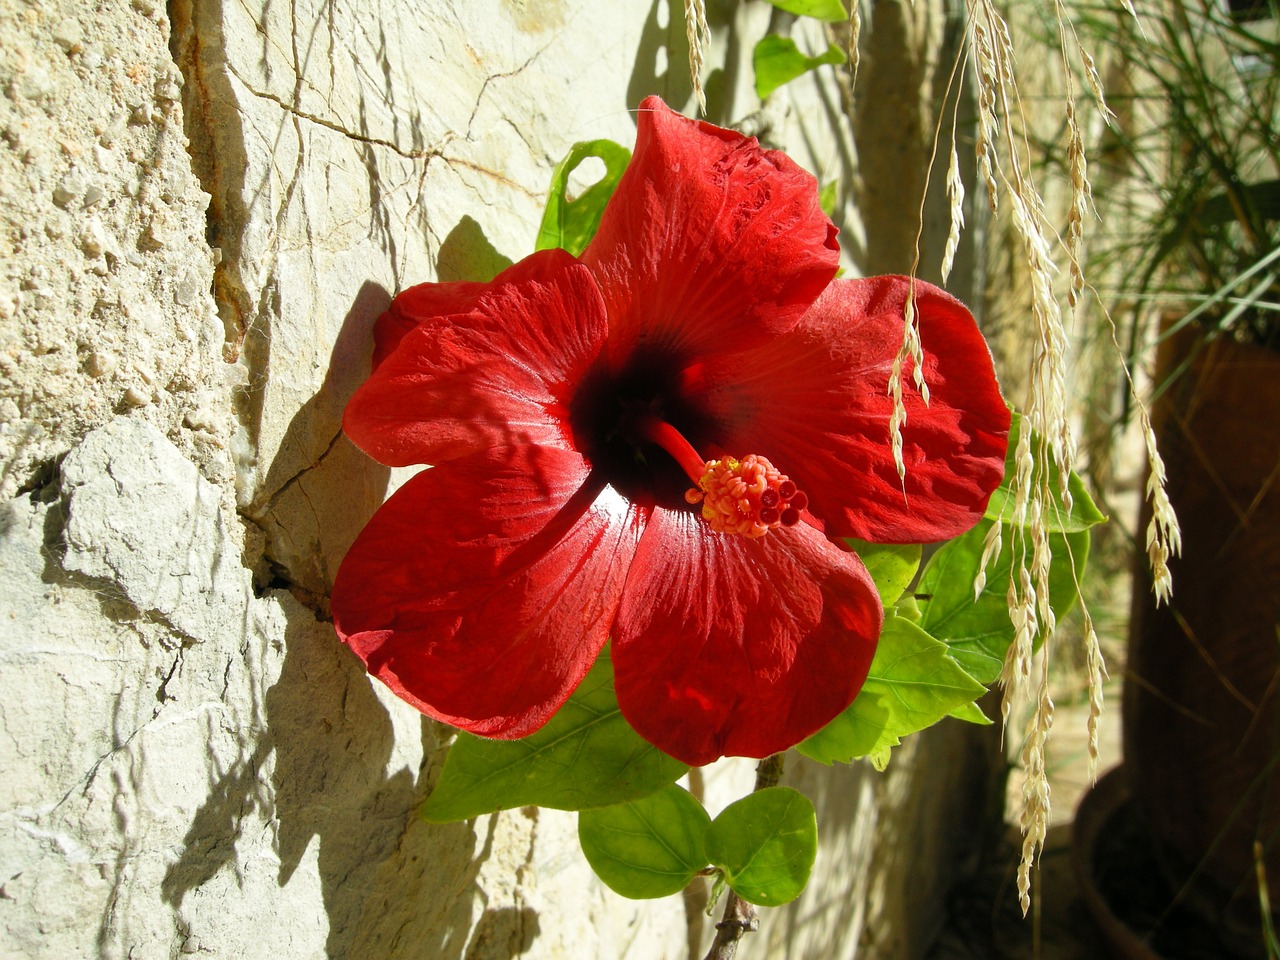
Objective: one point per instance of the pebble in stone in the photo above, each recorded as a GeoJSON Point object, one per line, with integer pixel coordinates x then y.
{"type": "Point", "coordinates": [35, 83]}
{"type": "Point", "coordinates": [202, 418]}
{"type": "Point", "coordinates": [93, 238]}
{"type": "Point", "coordinates": [69, 189]}
{"type": "Point", "coordinates": [69, 35]}
{"type": "Point", "coordinates": [100, 363]}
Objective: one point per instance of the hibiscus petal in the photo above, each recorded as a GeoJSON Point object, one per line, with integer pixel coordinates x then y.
{"type": "Point", "coordinates": [726, 646]}
{"type": "Point", "coordinates": [423, 303]}
{"type": "Point", "coordinates": [709, 242]}
{"type": "Point", "coordinates": [482, 591]}
{"type": "Point", "coordinates": [499, 375]}
{"type": "Point", "coordinates": [816, 403]}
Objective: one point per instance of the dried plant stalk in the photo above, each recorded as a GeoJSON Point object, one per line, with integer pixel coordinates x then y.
{"type": "Point", "coordinates": [855, 34]}
{"type": "Point", "coordinates": [1164, 537]}
{"type": "Point", "coordinates": [1097, 677]}
{"type": "Point", "coordinates": [699, 36]}
{"type": "Point", "coordinates": [1003, 160]}
{"type": "Point", "coordinates": [1035, 789]}
{"type": "Point", "coordinates": [913, 352]}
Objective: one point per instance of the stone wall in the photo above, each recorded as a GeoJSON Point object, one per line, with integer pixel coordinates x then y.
{"type": "Point", "coordinates": [203, 207]}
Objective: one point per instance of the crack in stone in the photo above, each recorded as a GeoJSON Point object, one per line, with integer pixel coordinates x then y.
{"type": "Point", "coordinates": [162, 695]}
{"type": "Point", "coordinates": [264, 509]}
{"type": "Point", "coordinates": [533, 150]}
{"type": "Point", "coordinates": [492, 175]}
{"type": "Point", "coordinates": [212, 169]}
{"type": "Point", "coordinates": [423, 154]}
{"type": "Point", "coordinates": [504, 75]}
{"type": "Point", "coordinates": [436, 152]}
{"type": "Point", "coordinates": [82, 785]}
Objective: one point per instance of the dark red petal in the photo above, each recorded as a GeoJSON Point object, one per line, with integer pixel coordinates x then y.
{"type": "Point", "coordinates": [709, 243]}
{"type": "Point", "coordinates": [737, 647]}
{"type": "Point", "coordinates": [482, 591]}
{"type": "Point", "coordinates": [816, 403]}
{"type": "Point", "coordinates": [421, 304]}
{"type": "Point", "coordinates": [501, 374]}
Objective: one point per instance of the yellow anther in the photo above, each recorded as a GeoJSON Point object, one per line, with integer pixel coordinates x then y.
{"type": "Point", "coordinates": [749, 497]}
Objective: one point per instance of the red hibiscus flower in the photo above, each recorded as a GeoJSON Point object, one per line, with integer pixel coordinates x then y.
{"type": "Point", "coordinates": [656, 444]}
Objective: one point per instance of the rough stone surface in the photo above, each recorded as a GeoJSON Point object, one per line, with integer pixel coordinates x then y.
{"type": "Point", "coordinates": [203, 207]}
{"type": "Point", "coordinates": [105, 278]}
{"type": "Point", "coordinates": [140, 517]}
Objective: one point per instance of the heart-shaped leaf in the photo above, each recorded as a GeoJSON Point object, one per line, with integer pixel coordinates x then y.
{"type": "Point", "coordinates": [892, 566]}
{"type": "Point", "coordinates": [571, 223]}
{"type": "Point", "coordinates": [766, 843]}
{"type": "Point", "coordinates": [586, 756]}
{"type": "Point", "coordinates": [979, 631]}
{"type": "Point", "coordinates": [1082, 515]}
{"type": "Point", "coordinates": [777, 60]}
{"type": "Point", "coordinates": [832, 11]}
{"type": "Point", "coordinates": [647, 848]}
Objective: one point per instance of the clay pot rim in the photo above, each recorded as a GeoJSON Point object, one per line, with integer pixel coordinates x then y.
{"type": "Point", "coordinates": [1096, 809]}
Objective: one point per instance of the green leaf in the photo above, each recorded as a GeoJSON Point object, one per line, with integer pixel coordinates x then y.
{"type": "Point", "coordinates": [880, 757]}
{"type": "Point", "coordinates": [765, 843]}
{"type": "Point", "coordinates": [907, 609]}
{"type": "Point", "coordinates": [971, 713]}
{"type": "Point", "coordinates": [586, 756]}
{"type": "Point", "coordinates": [979, 631]}
{"type": "Point", "coordinates": [777, 60]}
{"type": "Point", "coordinates": [570, 224]}
{"type": "Point", "coordinates": [829, 196]}
{"type": "Point", "coordinates": [832, 11]}
{"type": "Point", "coordinates": [913, 684]}
{"type": "Point", "coordinates": [650, 847]}
{"type": "Point", "coordinates": [892, 566]}
{"type": "Point", "coordinates": [1084, 513]}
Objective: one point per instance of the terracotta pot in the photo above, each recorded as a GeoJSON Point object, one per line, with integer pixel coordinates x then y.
{"type": "Point", "coordinates": [1201, 703]}
{"type": "Point", "coordinates": [1097, 812]}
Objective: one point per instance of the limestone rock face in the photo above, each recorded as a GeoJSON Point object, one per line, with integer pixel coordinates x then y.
{"type": "Point", "coordinates": [140, 517]}
{"type": "Point", "coordinates": [204, 205]}
{"type": "Point", "coordinates": [350, 154]}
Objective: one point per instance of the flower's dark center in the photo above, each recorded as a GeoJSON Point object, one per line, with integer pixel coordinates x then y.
{"type": "Point", "coordinates": [748, 497]}
{"type": "Point", "coordinates": [606, 410]}
{"type": "Point", "coordinates": [639, 427]}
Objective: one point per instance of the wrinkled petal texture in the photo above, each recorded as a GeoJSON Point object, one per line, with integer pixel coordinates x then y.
{"type": "Point", "coordinates": [816, 402]}
{"type": "Point", "coordinates": [424, 303]}
{"type": "Point", "coordinates": [709, 243]}
{"type": "Point", "coordinates": [732, 647]}
{"type": "Point", "coordinates": [500, 374]}
{"type": "Point", "coordinates": [483, 590]}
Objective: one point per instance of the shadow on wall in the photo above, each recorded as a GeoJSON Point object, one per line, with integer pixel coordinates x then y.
{"type": "Point", "coordinates": [392, 884]}
{"type": "Point", "coordinates": [254, 302]}
{"type": "Point", "coordinates": [313, 505]}
{"type": "Point", "coordinates": [661, 64]}
{"type": "Point", "coordinates": [467, 254]}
